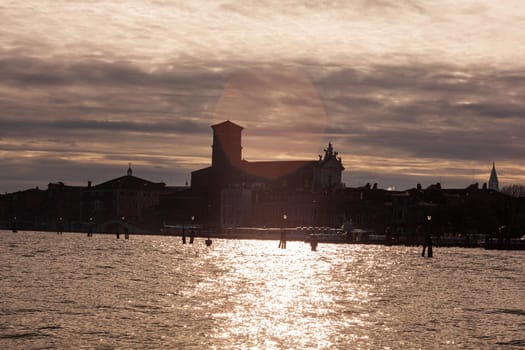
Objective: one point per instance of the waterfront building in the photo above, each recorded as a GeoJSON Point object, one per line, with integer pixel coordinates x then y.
{"type": "Point", "coordinates": [228, 167]}
{"type": "Point", "coordinates": [24, 209]}
{"type": "Point", "coordinates": [244, 192]}
{"type": "Point", "coordinates": [65, 206]}
{"type": "Point", "coordinates": [128, 198]}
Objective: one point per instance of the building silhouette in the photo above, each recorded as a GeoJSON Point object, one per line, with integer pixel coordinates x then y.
{"type": "Point", "coordinates": [493, 180]}
{"type": "Point", "coordinates": [233, 192]}
{"type": "Point", "coordinates": [235, 187]}
{"type": "Point", "coordinates": [228, 167]}
{"type": "Point", "coordinates": [127, 198]}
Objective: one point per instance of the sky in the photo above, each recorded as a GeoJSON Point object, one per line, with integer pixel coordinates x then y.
{"type": "Point", "coordinates": [408, 91]}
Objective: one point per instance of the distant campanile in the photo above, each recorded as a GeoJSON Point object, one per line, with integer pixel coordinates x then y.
{"type": "Point", "coordinates": [493, 180]}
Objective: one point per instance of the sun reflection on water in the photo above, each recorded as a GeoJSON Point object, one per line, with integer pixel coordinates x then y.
{"type": "Point", "coordinates": [286, 298]}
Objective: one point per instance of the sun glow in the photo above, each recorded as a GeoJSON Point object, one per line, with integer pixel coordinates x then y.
{"type": "Point", "coordinates": [272, 106]}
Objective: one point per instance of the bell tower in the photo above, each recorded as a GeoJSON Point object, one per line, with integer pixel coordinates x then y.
{"type": "Point", "coordinates": [493, 180]}
{"type": "Point", "coordinates": [226, 148]}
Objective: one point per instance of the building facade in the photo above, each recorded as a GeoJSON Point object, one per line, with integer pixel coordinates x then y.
{"type": "Point", "coordinates": [127, 198]}
{"type": "Point", "coordinates": [259, 193]}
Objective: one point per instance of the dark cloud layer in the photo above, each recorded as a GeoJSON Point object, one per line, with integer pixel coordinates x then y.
{"type": "Point", "coordinates": [32, 71]}
{"type": "Point", "coordinates": [55, 114]}
{"type": "Point", "coordinates": [428, 111]}
{"type": "Point", "coordinates": [40, 89]}
{"type": "Point", "coordinates": [28, 127]}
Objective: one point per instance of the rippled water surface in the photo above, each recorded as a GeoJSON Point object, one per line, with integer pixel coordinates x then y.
{"type": "Point", "coordinates": [71, 291]}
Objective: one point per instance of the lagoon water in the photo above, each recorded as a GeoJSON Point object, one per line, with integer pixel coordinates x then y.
{"type": "Point", "coordinates": [71, 291]}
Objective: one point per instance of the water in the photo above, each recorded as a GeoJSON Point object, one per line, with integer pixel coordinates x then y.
{"type": "Point", "coordinates": [72, 291]}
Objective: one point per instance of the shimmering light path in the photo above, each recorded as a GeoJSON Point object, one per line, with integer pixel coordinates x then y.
{"type": "Point", "coordinates": [152, 292]}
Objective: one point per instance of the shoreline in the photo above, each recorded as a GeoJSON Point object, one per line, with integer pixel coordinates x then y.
{"type": "Point", "coordinates": [513, 244]}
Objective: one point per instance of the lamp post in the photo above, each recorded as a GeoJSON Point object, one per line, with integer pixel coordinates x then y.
{"type": "Point", "coordinates": [427, 243]}
{"type": "Point", "coordinates": [124, 224]}
{"type": "Point", "coordinates": [282, 241]}
{"type": "Point", "coordinates": [59, 226]}
{"type": "Point", "coordinates": [192, 232]}
{"type": "Point", "coordinates": [90, 227]}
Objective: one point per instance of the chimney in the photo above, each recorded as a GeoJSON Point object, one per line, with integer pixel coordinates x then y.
{"type": "Point", "coordinates": [89, 184]}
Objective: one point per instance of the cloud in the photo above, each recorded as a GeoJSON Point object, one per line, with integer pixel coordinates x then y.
{"type": "Point", "coordinates": [434, 113]}
{"type": "Point", "coordinates": [25, 71]}
{"type": "Point", "coordinates": [96, 92]}
{"type": "Point", "coordinates": [90, 115]}
{"type": "Point", "coordinates": [418, 82]}
{"type": "Point", "coordinates": [362, 32]}
{"type": "Point", "coordinates": [25, 127]}
{"type": "Point", "coordinates": [427, 110]}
